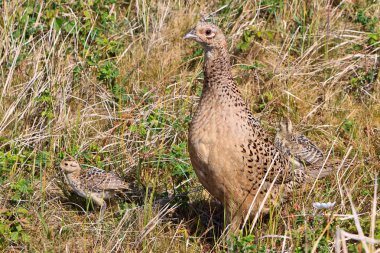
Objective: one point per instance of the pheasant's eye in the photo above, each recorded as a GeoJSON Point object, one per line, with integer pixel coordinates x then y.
{"type": "Point", "coordinates": [208, 32]}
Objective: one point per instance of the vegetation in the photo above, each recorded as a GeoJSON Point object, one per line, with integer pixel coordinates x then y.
{"type": "Point", "coordinates": [113, 84]}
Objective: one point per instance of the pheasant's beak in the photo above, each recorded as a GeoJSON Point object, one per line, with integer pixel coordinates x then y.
{"type": "Point", "coordinates": [191, 35]}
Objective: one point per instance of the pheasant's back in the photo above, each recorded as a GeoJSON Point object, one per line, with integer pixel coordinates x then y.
{"type": "Point", "coordinates": [97, 180]}
{"type": "Point", "coordinates": [306, 150]}
{"type": "Point", "coordinates": [297, 146]}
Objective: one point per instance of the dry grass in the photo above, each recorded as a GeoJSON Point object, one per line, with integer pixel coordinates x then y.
{"type": "Point", "coordinates": [113, 84]}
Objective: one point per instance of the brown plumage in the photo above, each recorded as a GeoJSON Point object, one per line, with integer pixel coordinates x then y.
{"type": "Point", "coordinates": [93, 183]}
{"type": "Point", "coordinates": [229, 150]}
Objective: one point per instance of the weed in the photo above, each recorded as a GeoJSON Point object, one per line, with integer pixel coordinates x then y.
{"type": "Point", "coordinates": [369, 23]}
{"type": "Point", "coordinates": [21, 188]}
{"type": "Point", "coordinates": [108, 72]}
{"type": "Point", "coordinates": [12, 225]}
{"type": "Point", "coordinates": [363, 84]}
{"type": "Point", "coordinates": [250, 35]}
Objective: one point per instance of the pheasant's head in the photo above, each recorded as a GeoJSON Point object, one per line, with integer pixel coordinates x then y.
{"type": "Point", "coordinates": [69, 166]}
{"type": "Point", "coordinates": [286, 127]}
{"type": "Point", "coordinates": [208, 35]}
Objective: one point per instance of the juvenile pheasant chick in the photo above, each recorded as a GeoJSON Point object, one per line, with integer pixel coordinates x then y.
{"type": "Point", "coordinates": [297, 145]}
{"type": "Point", "coordinates": [94, 183]}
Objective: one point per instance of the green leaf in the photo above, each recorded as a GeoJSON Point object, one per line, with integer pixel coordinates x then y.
{"type": "Point", "coordinates": [87, 14]}
{"type": "Point", "coordinates": [347, 125]}
{"type": "Point", "coordinates": [25, 237]}
{"type": "Point", "coordinates": [22, 210]}
{"type": "Point", "coordinates": [14, 236]}
{"type": "Point", "coordinates": [58, 22]}
{"type": "Point", "coordinates": [3, 229]}
{"type": "Point", "coordinates": [69, 26]}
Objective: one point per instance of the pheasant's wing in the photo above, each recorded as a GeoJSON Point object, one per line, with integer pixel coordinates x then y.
{"type": "Point", "coordinates": [252, 121]}
{"type": "Point", "coordinates": [304, 150]}
{"type": "Point", "coordinates": [99, 180]}
{"type": "Point", "coordinates": [259, 154]}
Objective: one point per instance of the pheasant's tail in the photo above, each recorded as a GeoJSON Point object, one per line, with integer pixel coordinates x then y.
{"type": "Point", "coordinates": [321, 170]}
{"type": "Point", "coordinates": [315, 173]}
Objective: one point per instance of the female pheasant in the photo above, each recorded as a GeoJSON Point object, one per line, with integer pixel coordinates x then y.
{"type": "Point", "coordinates": [232, 155]}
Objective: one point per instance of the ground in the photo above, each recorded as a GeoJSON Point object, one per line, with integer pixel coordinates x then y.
{"type": "Point", "coordinates": [113, 84]}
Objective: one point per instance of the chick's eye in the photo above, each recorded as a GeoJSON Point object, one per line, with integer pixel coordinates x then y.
{"type": "Point", "coordinates": [208, 32]}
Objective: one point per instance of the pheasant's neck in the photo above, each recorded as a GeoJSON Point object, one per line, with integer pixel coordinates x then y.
{"type": "Point", "coordinates": [217, 68]}
{"type": "Point", "coordinates": [73, 175]}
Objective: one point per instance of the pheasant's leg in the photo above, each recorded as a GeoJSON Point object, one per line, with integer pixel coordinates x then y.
{"type": "Point", "coordinates": [233, 218]}
{"type": "Point", "coordinates": [235, 224]}
{"type": "Point", "coordinates": [100, 202]}
{"type": "Point", "coordinates": [103, 209]}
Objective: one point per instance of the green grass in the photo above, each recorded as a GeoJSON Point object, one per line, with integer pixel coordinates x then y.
{"type": "Point", "coordinates": [113, 84]}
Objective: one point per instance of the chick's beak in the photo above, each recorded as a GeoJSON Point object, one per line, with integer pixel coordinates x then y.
{"type": "Point", "coordinates": [190, 35]}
